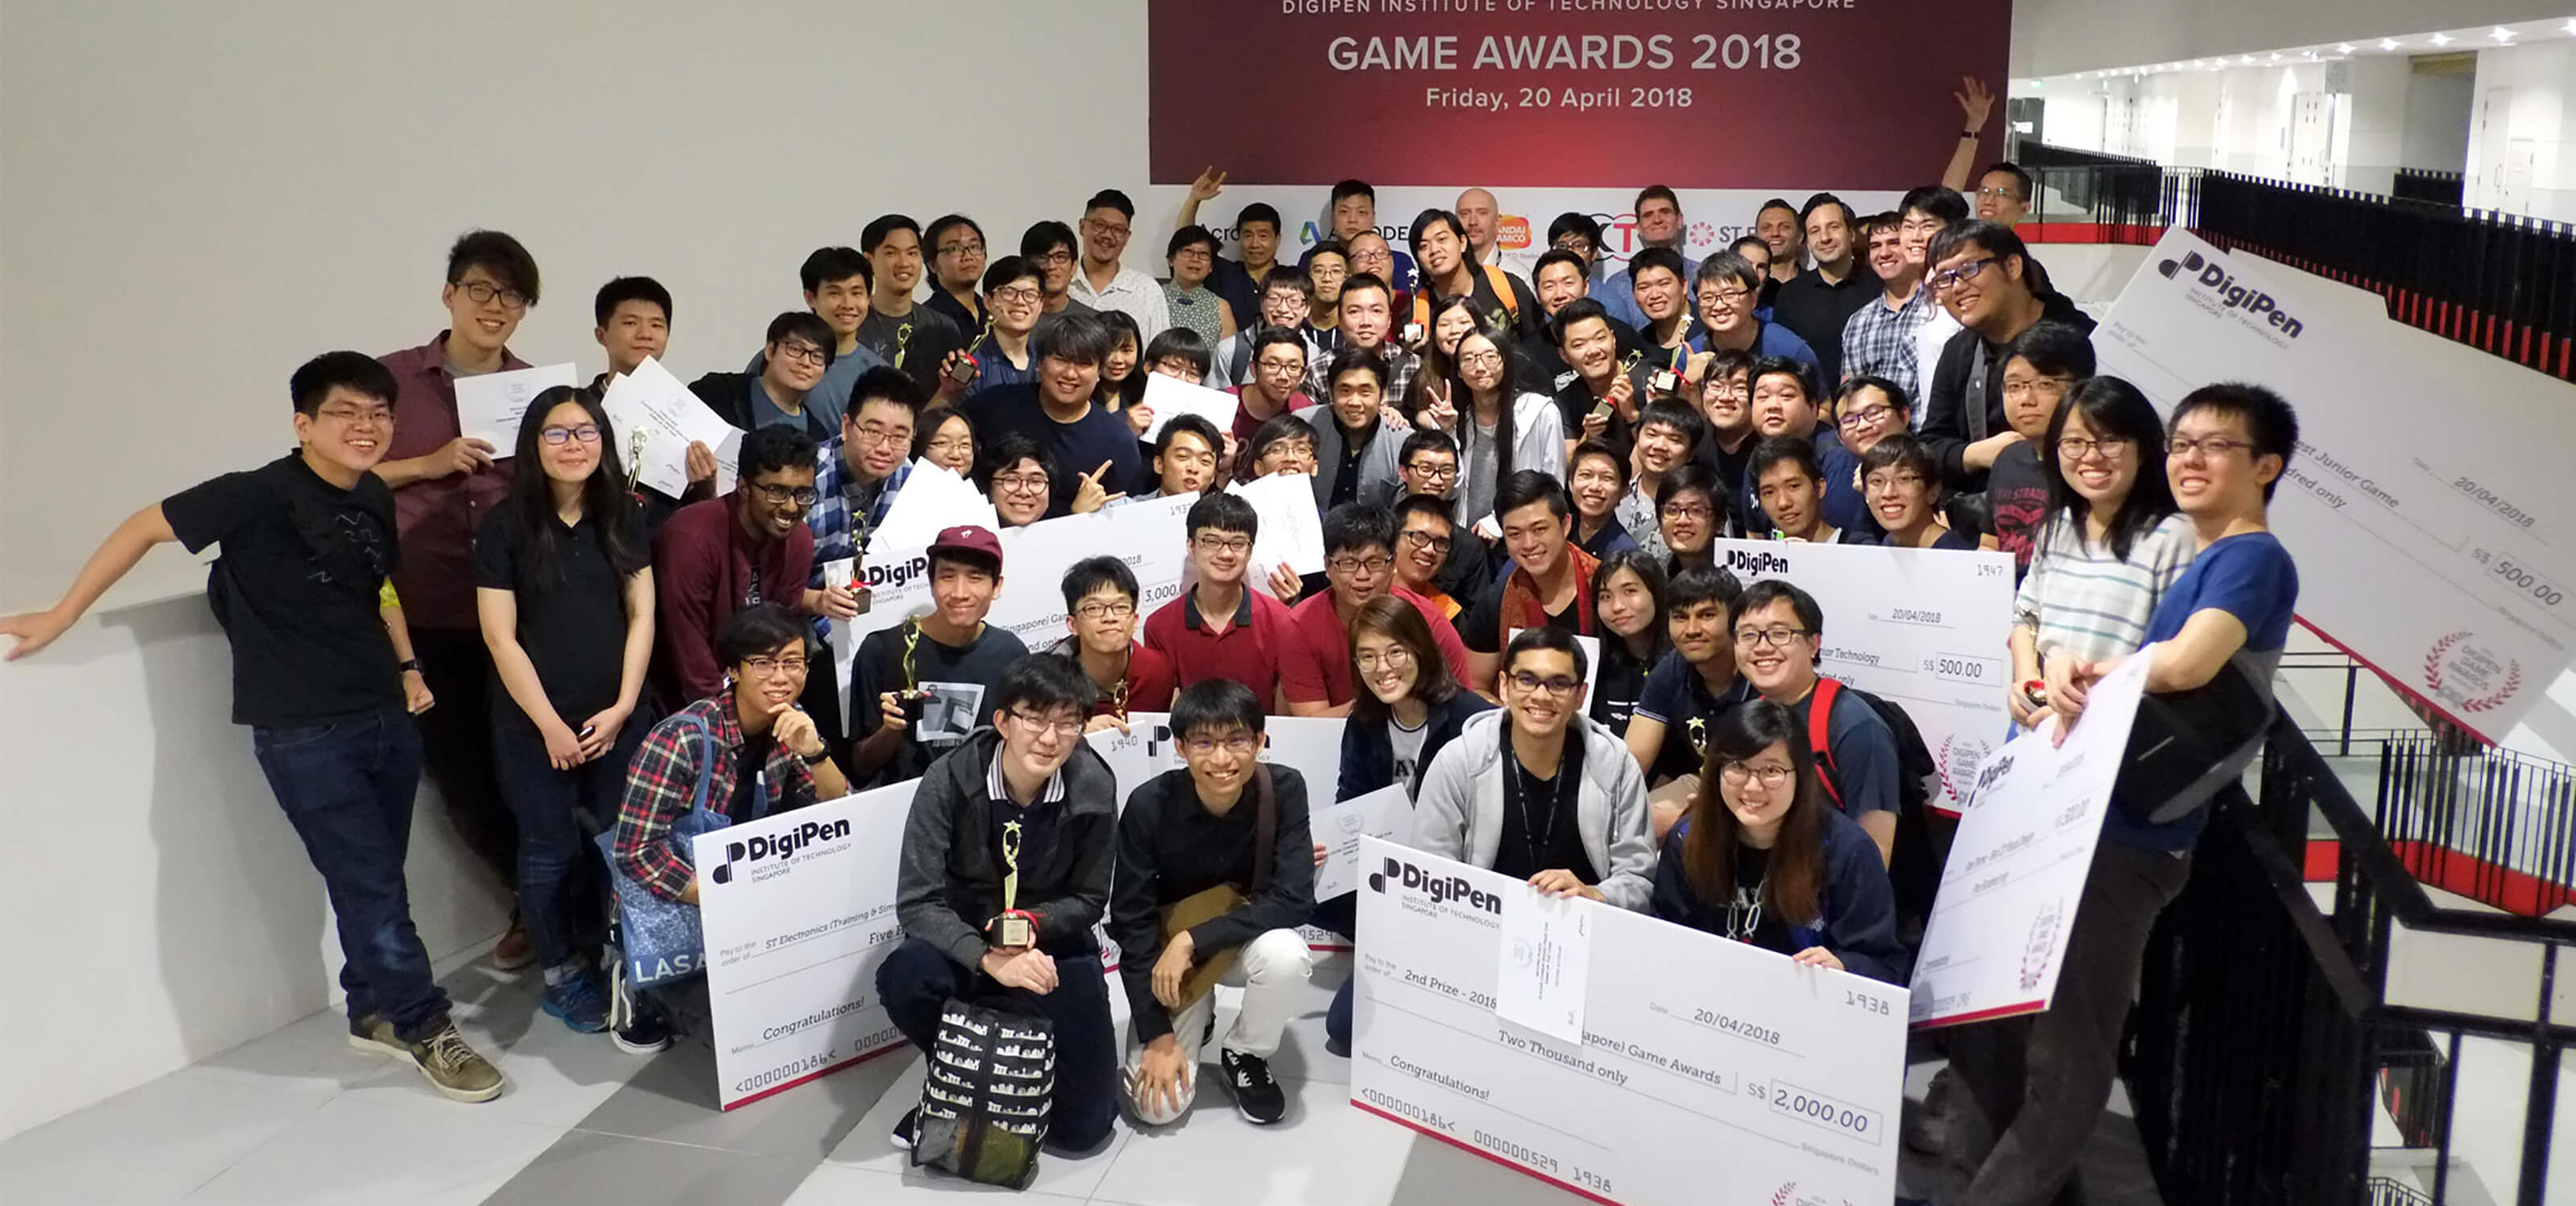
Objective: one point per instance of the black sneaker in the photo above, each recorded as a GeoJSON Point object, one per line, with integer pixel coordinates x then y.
{"type": "Point", "coordinates": [1256, 1096]}
{"type": "Point", "coordinates": [633, 1024]}
{"type": "Point", "coordinates": [906, 1127]}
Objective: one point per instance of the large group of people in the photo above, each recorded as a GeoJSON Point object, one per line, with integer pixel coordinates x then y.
{"type": "Point", "coordinates": [1499, 466]}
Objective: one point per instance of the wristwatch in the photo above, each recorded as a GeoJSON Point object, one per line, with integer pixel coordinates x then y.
{"type": "Point", "coordinates": [817, 758]}
{"type": "Point", "coordinates": [410, 667]}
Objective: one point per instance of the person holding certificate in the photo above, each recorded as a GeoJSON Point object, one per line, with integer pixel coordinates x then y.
{"type": "Point", "coordinates": [1761, 857]}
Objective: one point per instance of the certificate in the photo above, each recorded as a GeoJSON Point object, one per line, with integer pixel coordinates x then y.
{"type": "Point", "coordinates": [1169, 396]}
{"type": "Point", "coordinates": [799, 910]}
{"type": "Point", "coordinates": [1291, 534]}
{"type": "Point", "coordinates": [657, 418]}
{"type": "Point", "coordinates": [489, 406]}
{"type": "Point", "coordinates": [1999, 926]}
{"type": "Point", "coordinates": [1545, 962]}
{"type": "Point", "coordinates": [1379, 814]}
{"type": "Point", "coordinates": [1924, 629]}
{"type": "Point", "coordinates": [2438, 552]}
{"type": "Point", "coordinates": [1707, 1070]}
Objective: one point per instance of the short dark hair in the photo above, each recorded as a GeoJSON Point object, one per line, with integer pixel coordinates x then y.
{"type": "Point", "coordinates": [1703, 584]}
{"type": "Point", "coordinates": [1657, 257]}
{"type": "Point", "coordinates": [498, 254]}
{"type": "Point", "coordinates": [1420, 504]}
{"type": "Point", "coordinates": [1527, 486]}
{"type": "Point", "coordinates": [355, 371]}
{"type": "Point", "coordinates": [1581, 309]}
{"type": "Point", "coordinates": [1692, 478]}
{"type": "Point", "coordinates": [874, 233]}
{"type": "Point", "coordinates": [1770, 590]}
{"type": "Point", "coordinates": [1011, 268]}
{"type": "Point", "coordinates": [1362, 281]}
{"type": "Point", "coordinates": [928, 425]}
{"type": "Point", "coordinates": [1771, 204]}
{"type": "Point", "coordinates": [805, 323]}
{"type": "Point", "coordinates": [1215, 705]}
{"type": "Point", "coordinates": [1776, 450]}
{"type": "Point", "coordinates": [1325, 246]}
{"type": "Point", "coordinates": [1902, 451]}
{"type": "Point", "coordinates": [1043, 683]}
{"type": "Point", "coordinates": [941, 225]}
{"type": "Point", "coordinates": [1398, 620]}
{"type": "Point", "coordinates": [1600, 447]}
{"type": "Point", "coordinates": [2269, 419]}
{"type": "Point", "coordinates": [1014, 447]}
{"type": "Point", "coordinates": [1218, 511]}
{"type": "Point", "coordinates": [828, 264]}
{"type": "Point", "coordinates": [758, 629]}
{"type": "Point", "coordinates": [1994, 238]}
{"type": "Point", "coordinates": [1750, 240]}
{"type": "Point", "coordinates": [1092, 573]}
{"type": "Point", "coordinates": [1819, 201]}
{"type": "Point", "coordinates": [1285, 277]}
{"type": "Point", "coordinates": [2058, 349]}
{"type": "Point", "coordinates": [1110, 198]}
{"type": "Point", "coordinates": [621, 290]}
{"type": "Point", "coordinates": [1043, 237]}
{"type": "Point", "coordinates": [1804, 372]}
{"type": "Point", "coordinates": [775, 447]}
{"type": "Point", "coordinates": [1278, 429]}
{"type": "Point", "coordinates": [1726, 362]}
{"type": "Point", "coordinates": [1573, 222]}
{"type": "Point", "coordinates": [1353, 358]}
{"type": "Point", "coordinates": [1537, 637]}
{"type": "Point", "coordinates": [1353, 526]}
{"type": "Point", "coordinates": [2006, 167]}
{"type": "Point", "coordinates": [1194, 236]}
{"type": "Point", "coordinates": [1197, 425]}
{"type": "Point", "coordinates": [1179, 341]}
{"type": "Point", "coordinates": [885, 383]}
{"type": "Point", "coordinates": [1654, 192]}
{"type": "Point", "coordinates": [1424, 439]}
{"type": "Point", "coordinates": [1353, 188]}
{"type": "Point", "coordinates": [1558, 255]}
{"type": "Point", "coordinates": [1726, 266]}
{"type": "Point", "coordinates": [1270, 336]}
{"type": "Point", "coordinates": [1073, 337]}
{"type": "Point", "coordinates": [1684, 419]}
{"type": "Point", "coordinates": [1851, 387]}
{"type": "Point", "coordinates": [1424, 221]}
{"type": "Point", "coordinates": [1258, 211]}
{"type": "Point", "coordinates": [1934, 200]}
{"type": "Point", "coordinates": [1868, 228]}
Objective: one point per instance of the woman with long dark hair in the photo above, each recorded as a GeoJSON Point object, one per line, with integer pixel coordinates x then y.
{"type": "Point", "coordinates": [2111, 546]}
{"type": "Point", "coordinates": [1762, 858]}
{"type": "Point", "coordinates": [1628, 596]}
{"type": "Point", "coordinates": [565, 595]}
{"type": "Point", "coordinates": [1122, 372]}
{"type": "Point", "coordinates": [1499, 427]}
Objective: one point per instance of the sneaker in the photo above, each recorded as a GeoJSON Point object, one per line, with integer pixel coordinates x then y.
{"type": "Point", "coordinates": [513, 951]}
{"type": "Point", "coordinates": [580, 1002]}
{"type": "Point", "coordinates": [635, 1026]}
{"type": "Point", "coordinates": [453, 1066]}
{"type": "Point", "coordinates": [1256, 1096]}
{"type": "Point", "coordinates": [374, 1035]}
{"type": "Point", "coordinates": [906, 1128]}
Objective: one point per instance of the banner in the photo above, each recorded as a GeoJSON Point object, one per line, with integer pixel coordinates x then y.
{"type": "Point", "coordinates": [2430, 527]}
{"type": "Point", "coordinates": [798, 910]}
{"type": "Point", "coordinates": [1710, 1072]}
{"type": "Point", "coordinates": [2017, 868]}
{"type": "Point", "coordinates": [1924, 629]}
{"type": "Point", "coordinates": [1757, 94]}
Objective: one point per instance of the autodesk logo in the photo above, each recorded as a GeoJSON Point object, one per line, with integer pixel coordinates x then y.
{"type": "Point", "coordinates": [2232, 296]}
{"type": "Point", "coordinates": [1440, 888]}
{"type": "Point", "coordinates": [784, 845]}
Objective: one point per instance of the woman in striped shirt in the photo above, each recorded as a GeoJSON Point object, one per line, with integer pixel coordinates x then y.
{"type": "Point", "coordinates": [2111, 547]}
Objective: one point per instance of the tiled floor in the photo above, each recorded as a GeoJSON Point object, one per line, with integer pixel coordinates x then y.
{"type": "Point", "coordinates": [297, 1118]}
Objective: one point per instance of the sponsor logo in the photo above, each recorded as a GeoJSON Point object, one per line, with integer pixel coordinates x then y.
{"type": "Point", "coordinates": [895, 575]}
{"type": "Point", "coordinates": [1511, 232]}
{"type": "Point", "coordinates": [2463, 673]}
{"type": "Point", "coordinates": [1441, 889]}
{"type": "Point", "coordinates": [782, 846]}
{"type": "Point", "coordinates": [1960, 757]}
{"type": "Point", "coordinates": [1986, 778]}
{"type": "Point", "coordinates": [1752, 561]}
{"type": "Point", "coordinates": [2250, 303]}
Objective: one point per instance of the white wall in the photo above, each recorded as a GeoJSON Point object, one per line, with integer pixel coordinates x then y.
{"type": "Point", "coordinates": [2522, 131]}
{"type": "Point", "coordinates": [198, 197]}
{"type": "Point", "coordinates": [2053, 37]}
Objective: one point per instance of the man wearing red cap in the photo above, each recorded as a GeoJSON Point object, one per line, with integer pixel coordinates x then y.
{"type": "Point", "coordinates": [930, 674]}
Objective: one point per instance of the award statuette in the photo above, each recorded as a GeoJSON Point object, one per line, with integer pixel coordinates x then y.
{"type": "Point", "coordinates": [1013, 928]}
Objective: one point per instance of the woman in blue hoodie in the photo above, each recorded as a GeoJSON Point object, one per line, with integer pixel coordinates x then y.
{"type": "Point", "coordinates": [1762, 858]}
{"type": "Point", "coordinates": [1407, 705]}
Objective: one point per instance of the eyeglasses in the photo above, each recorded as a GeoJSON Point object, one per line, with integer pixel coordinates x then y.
{"type": "Point", "coordinates": [1039, 726]}
{"type": "Point", "coordinates": [763, 667]}
{"type": "Point", "coordinates": [1238, 745]}
{"type": "Point", "coordinates": [1688, 511]}
{"type": "Point", "coordinates": [1322, 273]}
{"type": "Point", "coordinates": [804, 351]}
{"type": "Point", "coordinates": [1191, 253]}
{"type": "Point", "coordinates": [482, 292]}
{"type": "Point", "coordinates": [373, 416]}
{"type": "Point", "coordinates": [1724, 298]}
{"type": "Point", "coordinates": [1019, 295]}
{"type": "Point", "coordinates": [1942, 282]}
{"type": "Point", "coordinates": [2076, 448]}
{"type": "Point", "coordinates": [951, 443]}
{"type": "Point", "coordinates": [1391, 659]}
{"type": "Point", "coordinates": [779, 496]}
{"type": "Point", "coordinates": [2216, 446]}
{"type": "Point", "coordinates": [1107, 610]}
{"type": "Point", "coordinates": [961, 249]}
{"type": "Point", "coordinates": [1554, 684]}
{"type": "Point", "coordinates": [1865, 416]}
{"type": "Point", "coordinates": [1174, 366]}
{"type": "Point", "coordinates": [1222, 544]}
{"type": "Point", "coordinates": [1882, 481]}
{"type": "Point", "coordinates": [587, 433]}
{"type": "Point", "coordinates": [1738, 774]}
{"type": "Point", "coordinates": [1436, 472]}
{"type": "Point", "coordinates": [2002, 191]}
{"type": "Point", "coordinates": [1020, 483]}
{"type": "Point", "coordinates": [1756, 638]}
{"type": "Point", "coordinates": [881, 436]}
{"type": "Point", "coordinates": [1058, 256]}
{"type": "Point", "coordinates": [1273, 364]}
{"type": "Point", "coordinates": [1425, 540]}
{"type": "Point", "coordinates": [1578, 246]}
{"type": "Point", "coordinates": [1119, 229]}
{"type": "Point", "coordinates": [1480, 359]}
{"type": "Point", "coordinates": [1359, 565]}
{"type": "Point", "coordinates": [2024, 389]}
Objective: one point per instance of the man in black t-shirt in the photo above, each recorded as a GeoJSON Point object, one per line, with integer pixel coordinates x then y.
{"type": "Point", "coordinates": [2038, 369]}
{"type": "Point", "coordinates": [911, 337]}
{"type": "Point", "coordinates": [1687, 690]}
{"type": "Point", "coordinates": [1058, 411]}
{"type": "Point", "coordinates": [323, 674]}
{"type": "Point", "coordinates": [929, 676]}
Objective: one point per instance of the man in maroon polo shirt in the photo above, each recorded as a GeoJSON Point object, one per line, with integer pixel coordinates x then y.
{"type": "Point", "coordinates": [717, 557]}
{"type": "Point", "coordinates": [443, 483]}
{"type": "Point", "coordinates": [1219, 629]}
{"type": "Point", "coordinates": [1274, 385]}
{"type": "Point", "coordinates": [1359, 562]}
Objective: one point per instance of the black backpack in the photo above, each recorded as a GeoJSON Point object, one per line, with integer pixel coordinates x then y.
{"type": "Point", "coordinates": [1922, 845]}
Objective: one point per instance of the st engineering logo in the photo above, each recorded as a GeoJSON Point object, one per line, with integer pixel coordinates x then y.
{"type": "Point", "coordinates": [2252, 303]}
{"type": "Point", "coordinates": [778, 846]}
{"type": "Point", "coordinates": [1442, 889]}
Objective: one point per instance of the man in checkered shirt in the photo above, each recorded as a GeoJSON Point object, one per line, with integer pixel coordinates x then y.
{"type": "Point", "coordinates": [1887, 337]}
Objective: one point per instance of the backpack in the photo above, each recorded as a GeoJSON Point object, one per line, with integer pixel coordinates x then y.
{"type": "Point", "coordinates": [1914, 864]}
{"type": "Point", "coordinates": [1499, 280]}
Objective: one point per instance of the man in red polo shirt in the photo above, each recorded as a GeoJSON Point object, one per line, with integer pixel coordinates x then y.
{"type": "Point", "coordinates": [1219, 629]}
{"type": "Point", "coordinates": [1359, 562]}
{"type": "Point", "coordinates": [1275, 386]}
{"type": "Point", "coordinates": [1551, 579]}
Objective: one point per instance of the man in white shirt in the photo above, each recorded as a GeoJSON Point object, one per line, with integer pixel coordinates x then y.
{"type": "Point", "coordinates": [1101, 283]}
{"type": "Point", "coordinates": [1924, 214]}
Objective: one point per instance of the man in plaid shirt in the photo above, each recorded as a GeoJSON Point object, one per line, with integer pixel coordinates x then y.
{"type": "Point", "coordinates": [1886, 337]}
{"type": "Point", "coordinates": [856, 476]}
{"type": "Point", "coordinates": [1368, 315]}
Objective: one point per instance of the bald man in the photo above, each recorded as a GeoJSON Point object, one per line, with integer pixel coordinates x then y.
{"type": "Point", "coordinates": [1482, 216]}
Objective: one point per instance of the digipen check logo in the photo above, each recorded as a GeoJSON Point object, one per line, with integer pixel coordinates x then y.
{"type": "Point", "coordinates": [778, 845]}
{"type": "Point", "coordinates": [2251, 304]}
{"type": "Point", "coordinates": [2191, 262]}
{"type": "Point", "coordinates": [1442, 889]}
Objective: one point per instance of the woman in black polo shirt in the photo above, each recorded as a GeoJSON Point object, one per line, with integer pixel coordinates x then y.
{"type": "Point", "coordinates": [566, 601]}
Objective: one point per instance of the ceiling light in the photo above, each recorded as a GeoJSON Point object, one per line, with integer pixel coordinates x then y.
{"type": "Point", "coordinates": [2441, 39]}
{"type": "Point", "coordinates": [2344, 48]}
{"type": "Point", "coordinates": [2570, 26]}
{"type": "Point", "coordinates": [2247, 60]}
{"type": "Point", "coordinates": [2276, 56]}
{"type": "Point", "coordinates": [2388, 43]}
{"type": "Point", "coordinates": [2501, 34]}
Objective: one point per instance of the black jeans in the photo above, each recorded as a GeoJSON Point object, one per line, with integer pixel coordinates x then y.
{"type": "Point", "coordinates": [2040, 1082]}
{"type": "Point", "coordinates": [556, 887]}
{"type": "Point", "coordinates": [1341, 916]}
{"type": "Point", "coordinates": [347, 787]}
{"type": "Point", "coordinates": [916, 980]}
{"type": "Point", "coordinates": [456, 742]}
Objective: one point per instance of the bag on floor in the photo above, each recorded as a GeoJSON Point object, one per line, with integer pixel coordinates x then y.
{"type": "Point", "coordinates": [990, 1078]}
{"type": "Point", "coordinates": [660, 941]}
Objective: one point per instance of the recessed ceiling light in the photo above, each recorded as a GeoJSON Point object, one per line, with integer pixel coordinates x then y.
{"type": "Point", "coordinates": [2570, 26]}
{"type": "Point", "coordinates": [2441, 39]}
{"type": "Point", "coordinates": [2247, 60]}
{"type": "Point", "coordinates": [2344, 48]}
{"type": "Point", "coordinates": [2501, 34]}
{"type": "Point", "coordinates": [2388, 43]}
{"type": "Point", "coordinates": [2276, 56]}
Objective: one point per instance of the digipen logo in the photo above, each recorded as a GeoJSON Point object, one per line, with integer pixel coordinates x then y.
{"type": "Point", "coordinates": [781, 845]}
{"type": "Point", "coordinates": [2253, 303]}
{"type": "Point", "coordinates": [896, 575]}
{"type": "Point", "coordinates": [1442, 889]}
{"type": "Point", "coordinates": [1756, 562]}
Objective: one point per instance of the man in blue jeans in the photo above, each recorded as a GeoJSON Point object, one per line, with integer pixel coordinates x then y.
{"type": "Point", "coordinates": [1027, 794]}
{"type": "Point", "coordinates": [324, 675]}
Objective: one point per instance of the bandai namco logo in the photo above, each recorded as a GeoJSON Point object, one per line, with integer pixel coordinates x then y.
{"type": "Point", "coordinates": [2213, 276]}
{"type": "Point", "coordinates": [1511, 232]}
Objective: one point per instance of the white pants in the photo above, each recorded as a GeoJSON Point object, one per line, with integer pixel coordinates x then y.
{"type": "Point", "coordinates": [1268, 970]}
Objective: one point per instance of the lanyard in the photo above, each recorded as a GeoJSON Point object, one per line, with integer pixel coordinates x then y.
{"type": "Point", "coordinates": [1516, 787]}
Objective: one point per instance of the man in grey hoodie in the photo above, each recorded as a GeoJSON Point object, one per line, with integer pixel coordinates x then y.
{"type": "Point", "coordinates": [1537, 790]}
{"type": "Point", "coordinates": [1029, 793]}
